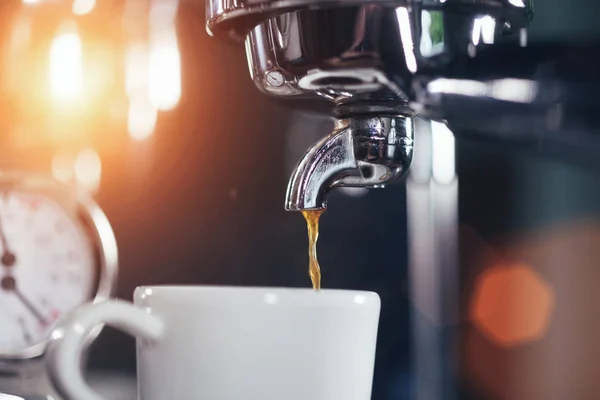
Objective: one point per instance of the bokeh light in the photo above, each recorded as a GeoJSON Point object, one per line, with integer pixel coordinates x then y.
{"type": "Point", "coordinates": [76, 84]}
{"type": "Point", "coordinates": [63, 163]}
{"type": "Point", "coordinates": [141, 119]}
{"type": "Point", "coordinates": [66, 72]}
{"type": "Point", "coordinates": [88, 169]}
{"type": "Point", "coordinates": [82, 168]}
{"type": "Point", "coordinates": [136, 72]}
{"type": "Point", "coordinates": [164, 71]}
{"type": "Point", "coordinates": [512, 305]}
{"type": "Point", "coordinates": [82, 7]}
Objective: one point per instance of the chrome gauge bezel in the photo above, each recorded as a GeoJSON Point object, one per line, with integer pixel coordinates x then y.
{"type": "Point", "coordinates": [92, 218]}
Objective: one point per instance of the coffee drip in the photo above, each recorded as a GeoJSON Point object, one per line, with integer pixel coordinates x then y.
{"type": "Point", "coordinates": [312, 223]}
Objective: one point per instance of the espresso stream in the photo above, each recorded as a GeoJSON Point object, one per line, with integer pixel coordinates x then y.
{"type": "Point", "coordinates": [312, 223]}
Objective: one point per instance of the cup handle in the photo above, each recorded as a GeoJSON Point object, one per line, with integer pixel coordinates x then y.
{"type": "Point", "coordinates": [69, 340]}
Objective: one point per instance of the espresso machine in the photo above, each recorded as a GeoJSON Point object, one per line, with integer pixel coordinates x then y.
{"type": "Point", "coordinates": [391, 78]}
{"type": "Point", "coordinates": [374, 66]}
{"type": "Point", "coordinates": [380, 69]}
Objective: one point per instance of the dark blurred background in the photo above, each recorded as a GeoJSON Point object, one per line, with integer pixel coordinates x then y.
{"type": "Point", "coordinates": [197, 198]}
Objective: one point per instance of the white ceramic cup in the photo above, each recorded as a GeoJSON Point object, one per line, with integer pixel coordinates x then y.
{"type": "Point", "coordinates": [232, 343]}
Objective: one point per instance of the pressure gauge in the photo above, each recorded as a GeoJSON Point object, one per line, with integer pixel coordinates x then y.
{"type": "Point", "coordinates": [57, 251]}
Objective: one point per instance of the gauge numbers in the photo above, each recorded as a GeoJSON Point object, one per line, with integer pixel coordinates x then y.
{"type": "Point", "coordinates": [47, 267]}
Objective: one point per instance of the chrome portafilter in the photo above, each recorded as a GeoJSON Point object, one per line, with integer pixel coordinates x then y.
{"type": "Point", "coordinates": [359, 62]}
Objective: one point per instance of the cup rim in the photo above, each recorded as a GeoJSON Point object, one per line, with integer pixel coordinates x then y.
{"type": "Point", "coordinates": [277, 290]}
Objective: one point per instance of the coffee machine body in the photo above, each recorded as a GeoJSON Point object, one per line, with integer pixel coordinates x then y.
{"type": "Point", "coordinates": [371, 65]}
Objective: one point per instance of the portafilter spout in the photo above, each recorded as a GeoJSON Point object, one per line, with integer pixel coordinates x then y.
{"type": "Point", "coordinates": [362, 62]}
{"type": "Point", "coordinates": [362, 151]}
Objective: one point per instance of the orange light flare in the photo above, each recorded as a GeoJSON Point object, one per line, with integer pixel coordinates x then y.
{"type": "Point", "coordinates": [65, 67]}
{"type": "Point", "coordinates": [534, 339]}
{"type": "Point", "coordinates": [65, 73]}
{"type": "Point", "coordinates": [82, 80]}
{"type": "Point", "coordinates": [16, 48]}
{"type": "Point", "coordinates": [512, 305]}
{"type": "Point", "coordinates": [142, 114]}
{"type": "Point", "coordinates": [63, 166]}
{"type": "Point", "coordinates": [153, 70]}
{"type": "Point", "coordinates": [164, 62]}
{"type": "Point", "coordinates": [83, 168]}
{"type": "Point", "coordinates": [20, 66]}
{"type": "Point", "coordinates": [164, 70]}
{"type": "Point", "coordinates": [141, 120]}
{"type": "Point", "coordinates": [88, 169]}
{"type": "Point", "coordinates": [83, 7]}
{"type": "Point", "coordinates": [80, 70]}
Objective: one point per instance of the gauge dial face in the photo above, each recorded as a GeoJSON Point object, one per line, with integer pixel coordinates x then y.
{"type": "Point", "coordinates": [47, 267]}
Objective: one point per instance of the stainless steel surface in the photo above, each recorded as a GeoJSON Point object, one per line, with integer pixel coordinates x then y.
{"type": "Point", "coordinates": [358, 61]}
{"type": "Point", "coordinates": [348, 57]}
{"type": "Point", "coordinates": [94, 220]}
{"type": "Point", "coordinates": [540, 98]}
{"type": "Point", "coordinates": [363, 58]}
{"type": "Point", "coordinates": [360, 152]}
{"type": "Point", "coordinates": [234, 18]}
{"type": "Point", "coordinates": [432, 233]}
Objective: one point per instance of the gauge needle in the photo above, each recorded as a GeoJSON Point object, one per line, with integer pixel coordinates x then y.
{"type": "Point", "coordinates": [31, 307]}
{"type": "Point", "coordinates": [8, 283]}
{"type": "Point", "coordinates": [8, 258]}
